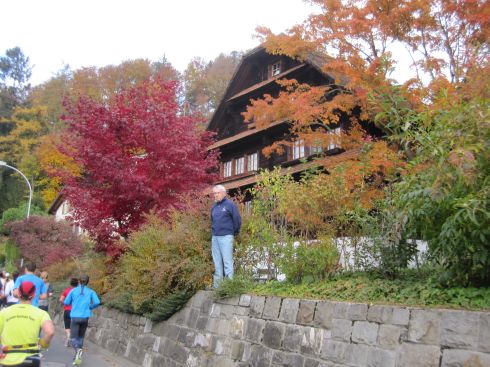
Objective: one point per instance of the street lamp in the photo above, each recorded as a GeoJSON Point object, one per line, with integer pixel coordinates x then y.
{"type": "Point", "coordinates": [2, 163]}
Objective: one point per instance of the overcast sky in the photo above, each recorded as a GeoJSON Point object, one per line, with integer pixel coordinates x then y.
{"type": "Point", "coordinates": [103, 32]}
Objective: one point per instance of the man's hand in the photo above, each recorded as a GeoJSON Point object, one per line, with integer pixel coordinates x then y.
{"type": "Point", "coordinates": [43, 343]}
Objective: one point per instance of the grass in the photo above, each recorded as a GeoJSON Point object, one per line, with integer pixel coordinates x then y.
{"type": "Point", "coordinates": [413, 289]}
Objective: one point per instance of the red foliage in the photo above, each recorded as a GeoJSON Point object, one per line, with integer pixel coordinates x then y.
{"type": "Point", "coordinates": [137, 153]}
{"type": "Point", "coordinates": [44, 241]}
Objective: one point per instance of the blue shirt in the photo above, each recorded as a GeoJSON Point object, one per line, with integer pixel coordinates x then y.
{"type": "Point", "coordinates": [38, 282]}
{"type": "Point", "coordinates": [82, 300]}
{"type": "Point", "coordinates": [225, 218]}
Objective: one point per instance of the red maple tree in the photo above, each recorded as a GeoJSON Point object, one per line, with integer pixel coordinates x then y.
{"type": "Point", "coordinates": [137, 153]}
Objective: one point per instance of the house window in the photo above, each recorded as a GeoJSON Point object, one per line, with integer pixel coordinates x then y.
{"type": "Point", "coordinates": [316, 148]}
{"type": "Point", "coordinates": [335, 138]}
{"type": "Point", "coordinates": [274, 69]}
{"type": "Point", "coordinates": [239, 165]}
{"type": "Point", "coordinates": [298, 149]}
{"type": "Point", "coordinates": [65, 208]}
{"type": "Point", "coordinates": [252, 162]}
{"type": "Point", "coordinates": [227, 169]}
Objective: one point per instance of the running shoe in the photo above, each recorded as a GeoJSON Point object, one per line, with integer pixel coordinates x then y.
{"type": "Point", "coordinates": [78, 357]}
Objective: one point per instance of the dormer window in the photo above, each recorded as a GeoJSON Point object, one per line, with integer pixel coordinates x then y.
{"type": "Point", "coordinates": [274, 69]}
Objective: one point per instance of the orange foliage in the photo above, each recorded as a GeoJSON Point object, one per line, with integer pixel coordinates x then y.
{"type": "Point", "coordinates": [52, 163]}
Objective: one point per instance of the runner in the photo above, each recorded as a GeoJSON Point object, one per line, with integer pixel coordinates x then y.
{"type": "Point", "coordinates": [67, 309]}
{"type": "Point", "coordinates": [20, 326]}
{"type": "Point", "coordinates": [83, 301]}
{"type": "Point", "coordinates": [29, 276]}
{"type": "Point", "coordinates": [44, 303]}
{"type": "Point", "coordinates": [9, 289]}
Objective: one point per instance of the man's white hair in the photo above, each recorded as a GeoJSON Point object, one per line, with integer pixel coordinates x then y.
{"type": "Point", "coordinates": [219, 188]}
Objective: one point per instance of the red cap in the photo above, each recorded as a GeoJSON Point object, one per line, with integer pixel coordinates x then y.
{"type": "Point", "coordinates": [27, 290]}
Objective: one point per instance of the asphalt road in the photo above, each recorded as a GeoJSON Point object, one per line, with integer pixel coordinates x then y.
{"type": "Point", "coordinates": [93, 356]}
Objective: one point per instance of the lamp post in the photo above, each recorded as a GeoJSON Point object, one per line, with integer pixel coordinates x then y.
{"type": "Point", "coordinates": [2, 163]}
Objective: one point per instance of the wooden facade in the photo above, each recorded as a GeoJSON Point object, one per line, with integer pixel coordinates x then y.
{"type": "Point", "coordinates": [241, 144]}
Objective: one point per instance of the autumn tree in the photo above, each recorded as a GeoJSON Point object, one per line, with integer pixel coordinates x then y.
{"type": "Point", "coordinates": [447, 42]}
{"type": "Point", "coordinates": [44, 241]}
{"type": "Point", "coordinates": [137, 153]}
{"type": "Point", "coordinates": [205, 82]}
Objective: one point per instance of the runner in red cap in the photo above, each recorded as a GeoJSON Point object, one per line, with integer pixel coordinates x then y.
{"type": "Point", "coordinates": [20, 325]}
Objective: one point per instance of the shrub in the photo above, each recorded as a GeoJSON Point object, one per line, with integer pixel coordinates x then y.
{"type": "Point", "coordinates": [239, 284]}
{"type": "Point", "coordinates": [446, 196]}
{"type": "Point", "coordinates": [16, 214]}
{"type": "Point", "coordinates": [310, 260]}
{"type": "Point", "coordinates": [165, 261]}
{"type": "Point", "coordinates": [44, 241]}
{"type": "Point", "coordinates": [62, 270]}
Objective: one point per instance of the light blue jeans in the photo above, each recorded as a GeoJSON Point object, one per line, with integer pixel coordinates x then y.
{"type": "Point", "coordinates": [222, 252]}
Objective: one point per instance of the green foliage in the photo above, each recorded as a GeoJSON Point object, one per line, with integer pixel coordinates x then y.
{"type": "Point", "coordinates": [413, 288]}
{"type": "Point", "coordinates": [15, 214]}
{"type": "Point", "coordinates": [309, 260]}
{"type": "Point", "coordinates": [239, 284]}
{"type": "Point", "coordinates": [165, 307]}
{"type": "Point", "coordinates": [446, 196]}
{"type": "Point", "coordinates": [166, 261]}
{"type": "Point", "coordinates": [264, 229]}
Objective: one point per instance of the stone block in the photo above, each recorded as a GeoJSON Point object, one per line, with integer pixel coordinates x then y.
{"type": "Point", "coordinates": [389, 336]}
{"type": "Point", "coordinates": [201, 297]}
{"type": "Point", "coordinates": [202, 323]}
{"type": "Point", "coordinates": [285, 359]}
{"type": "Point", "coordinates": [365, 332]}
{"type": "Point", "coordinates": [377, 357]}
{"type": "Point", "coordinates": [324, 314]}
{"type": "Point", "coordinates": [418, 355]}
{"type": "Point", "coordinates": [202, 341]}
{"type": "Point", "coordinates": [254, 330]}
{"type": "Point", "coordinates": [401, 316]}
{"type": "Point", "coordinates": [459, 329]}
{"type": "Point", "coordinates": [227, 311]}
{"type": "Point", "coordinates": [340, 310]}
{"type": "Point", "coordinates": [176, 352]}
{"type": "Point", "coordinates": [273, 334]}
{"type": "Point", "coordinates": [341, 329]}
{"type": "Point", "coordinates": [192, 317]}
{"type": "Point", "coordinates": [289, 310]}
{"type": "Point", "coordinates": [312, 340]}
{"type": "Point", "coordinates": [215, 310]}
{"type": "Point", "coordinates": [257, 306]}
{"type": "Point", "coordinates": [220, 345]}
{"type": "Point", "coordinates": [245, 300]}
{"type": "Point", "coordinates": [224, 327]}
{"type": "Point", "coordinates": [230, 300]}
{"type": "Point", "coordinates": [260, 356]}
{"type": "Point", "coordinates": [464, 358]}
{"type": "Point", "coordinates": [237, 327]}
{"type": "Point", "coordinates": [425, 327]}
{"type": "Point", "coordinates": [292, 338]}
{"type": "Point", "coordinates": [380, 314]}
{"type": "Point", "coordinates": [272, 308]}
{"type": "Point", "coordinates": [334, 351]}
{"type": "Point", "coordinates": [356, 311]}
{"type": "Point", "coordinates": [238, 348]}
{"type": "Point", "coordinates": [306, 312]}
{"type": "Point", "coordinates": [356, 355]}
{"type": "Point", "coordinates": [241, 311]}
{"type": "Point", "coordinates": [484, 332]}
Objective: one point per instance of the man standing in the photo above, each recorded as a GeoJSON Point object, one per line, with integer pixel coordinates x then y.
{"type": "Point", "coordinates": [83, 301]}
{"type": "Point", "coordinates": [29, 276]}
{"type": "Point", "coordinates": [225, 224]}
{"type": "Point", "coordinates": [20, 325]}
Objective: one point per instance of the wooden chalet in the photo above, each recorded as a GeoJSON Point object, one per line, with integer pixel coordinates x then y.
{"type": "Point", "coordinates": [240, 143]}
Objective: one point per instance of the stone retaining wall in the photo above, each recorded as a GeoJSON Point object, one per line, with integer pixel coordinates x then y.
{"type": "Point", "coordinates": [272, 331]}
